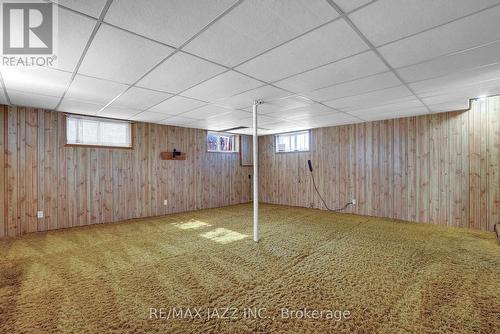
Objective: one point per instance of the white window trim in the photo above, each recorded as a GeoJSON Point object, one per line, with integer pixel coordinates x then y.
{"type": "Point", "coordinates": [236, 144]}
{"type": "Point", "coordinates": [99, 119]}
{"type": "Point", "coordinates": [308, 132]}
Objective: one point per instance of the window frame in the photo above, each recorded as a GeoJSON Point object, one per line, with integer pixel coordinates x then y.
{"type": "Point", "coordinates": [236, 143]}
{"type": "Point", "coordinates": [132, 131]}
{"type": "Point", "coordinates": [309, 135]}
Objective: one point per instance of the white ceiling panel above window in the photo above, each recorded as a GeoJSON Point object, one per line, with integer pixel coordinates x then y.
{"type": "Point", "coordinates": [118, 113]}
{"type": "Point", "coordinates": [177, 105]}
{"type": "Point", "coordinates": [79, 107]}
{"type": "Point", "coordinates": [94, 90]}
{"type": "Point", "coordinates": [148, 116]}
{"type": "Point", "coordinates": [29, 99]}
{"type": "Point", "coordinates": [140, 98]}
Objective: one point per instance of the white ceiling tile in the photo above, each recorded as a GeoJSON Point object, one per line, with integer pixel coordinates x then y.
{"type": "Point", "coordinates": [226, 121]}
{"type": "Point", "coordinates": [461, 93]}
{"type": "Point", "coordinates": [380, 116]}
{"type": "Point", "coordinates": [36, 80]}
{"type": "Point", "coordinates": [476, 57]}
{"type": "Point", "coordinates": [119, 56]}
{"type": "Point", "coordinates": [466, 33]}
{"type": "Point", "coordinates": [206, 112]}
{"type": "Point", "coordinates": [393, 109]}
{"type": "Point", "coordinates": [289, 102]}
{"type": "Point", "coordinates": [355, 87]}
{"type": "Point", "coordinates": [326, 44]}
{"type": "Point", "coordinates": [180, 72]}
{"type": "Point", "coordinates": [299, 114]}
{"type": "Point", "coordinates": [197, 124]}
{"type": "Point", "coordinates": [249, 131]}
{"type": "Point", "coordinates": [332, 119]}
{"type": "Point", "coordinates": [237, 115]}
{"type": "Point", "coordinates": [387, 20]}
{"type": "Point", "coordinates": [374, 98]}
{"type": "Point", "coordinates": [225, 125]}
{"type": "Point", "coordinates": [350, 5]}
{"type": "Point", "coordinates": [148, 116]}
{"type": "Point", "coordinates": [177, 105]}
{"type": "Point", "coordinates": [222, 86]}
{"type": "Point", "coordinates": [177, 120]}
{"type": "Point", "coordinates": [172, 22]}
{"type": "Point", "coordinates": [79, 107]}
{"type": "Point", "coordinates": [457, 80]}
{"type": "Point", "coordinates": [92, 8]}
{"type": "Point", "coordinates": [29, 99]}
{"type": "Point", "coordinates": [73, 34]}
{"type": "Point", "coordinates": [140, 98]}
{"type": "Point", "coordinates": [118, 112]}
{"type": "Point", "coordinates": [94, 90]}
{"type": "Point", "coordinates": [344, 70]}
{"type": "Point", "coordinates": [404, 112]}
{"type": "Point", "coordinates": [258, 25]}
{"type": "Point", "coordinates": [455, 97]}
{"type": "Point", "coordinates": [221, 124]}
{"type": "Point", "coordinates": [262, 120]}
{"type": "Point", "coordinates": [454, 105]}
{"type": "Point", "coordinates": [265, 93]}
{"type": "Point", "coordinates": [282, 126]}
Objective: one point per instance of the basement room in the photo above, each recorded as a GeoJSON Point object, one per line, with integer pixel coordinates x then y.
{"type": "Point", "coordinates": [250, 166]}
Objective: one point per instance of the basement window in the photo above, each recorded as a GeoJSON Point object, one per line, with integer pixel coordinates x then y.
{"type": "Point", "coordinates": [293, 142]}
{"type": "Point", "coordinates": [222, 142]}
{"type": "Point", "coordinates": [94, 131]}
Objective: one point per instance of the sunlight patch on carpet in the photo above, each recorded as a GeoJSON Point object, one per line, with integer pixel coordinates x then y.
{"type": "Point", "coordinates": [191, 225]}
{"type": "Point", "coordinates": [223, 235]}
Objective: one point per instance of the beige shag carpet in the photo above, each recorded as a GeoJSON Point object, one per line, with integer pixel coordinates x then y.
{"type": "Point", "coordinates": [361, 275]}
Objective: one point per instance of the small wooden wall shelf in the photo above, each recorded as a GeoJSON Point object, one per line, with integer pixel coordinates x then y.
{"type": "Point", "coordinates": [170, 156]}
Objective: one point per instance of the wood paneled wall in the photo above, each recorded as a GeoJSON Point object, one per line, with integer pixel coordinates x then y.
{"type": "Point", "coordinates": [246, 151]}
{"type": "Point", "coordinates": [441, 168]}
{"type": "Point", "coordinates": [77, 186]}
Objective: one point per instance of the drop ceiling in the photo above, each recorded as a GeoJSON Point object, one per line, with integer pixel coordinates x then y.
{"type": "Point", "coordinates": [314, 63]}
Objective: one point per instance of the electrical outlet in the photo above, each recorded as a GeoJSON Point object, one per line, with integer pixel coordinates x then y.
{"type": "Point", "coordinates": [39, 214]}
{"type": "Point", "coordinates": [165, 202]}
{"type": "Point", "coordinates": [353, 201]}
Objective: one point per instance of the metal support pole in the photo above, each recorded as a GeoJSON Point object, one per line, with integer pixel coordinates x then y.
{"type": "Point", "coordinates": [255, 174]}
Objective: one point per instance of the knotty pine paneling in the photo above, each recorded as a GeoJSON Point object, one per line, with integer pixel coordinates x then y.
{"type": "Point", "coordinates": [246, 150]}
{"type": "Point", "coordinates": [441, 168]}
{"type": "Point", "coordinates": [77, 186]}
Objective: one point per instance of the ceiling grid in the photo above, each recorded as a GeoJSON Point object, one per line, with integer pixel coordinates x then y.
{"type": "Point", "coordinates": [316, 62]}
